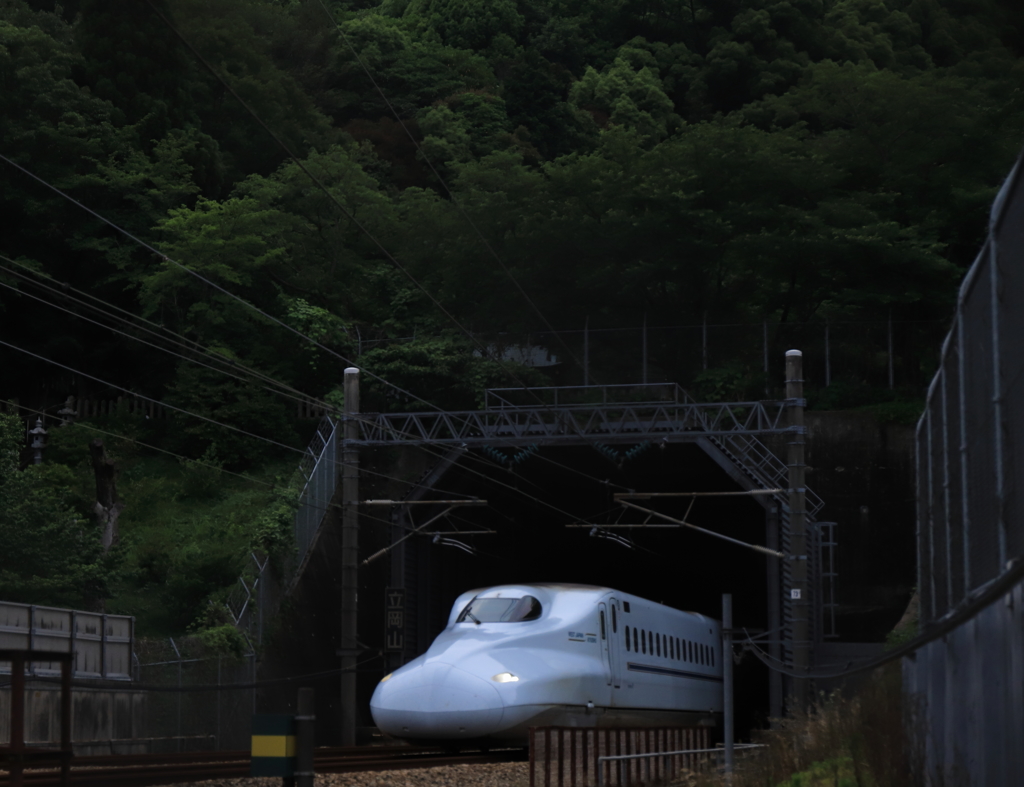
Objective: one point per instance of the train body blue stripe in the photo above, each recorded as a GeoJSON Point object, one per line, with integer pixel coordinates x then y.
{"type": "Point", "coordinates": [674, 673]}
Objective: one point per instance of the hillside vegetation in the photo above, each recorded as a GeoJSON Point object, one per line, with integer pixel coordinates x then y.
{"type": "Point", "coordinates": [408, 171]}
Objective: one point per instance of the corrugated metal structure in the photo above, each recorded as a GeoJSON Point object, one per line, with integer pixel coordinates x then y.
{"type": "Point", "coordinates": [970, 461]}
{"type": "Point", "coordinates": [102, 644]}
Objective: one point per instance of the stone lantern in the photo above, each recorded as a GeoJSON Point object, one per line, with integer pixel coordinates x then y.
{"type": "Point", "coordinates": [38, 436]}
{"type": "Point", "coordinates": [68, 413]}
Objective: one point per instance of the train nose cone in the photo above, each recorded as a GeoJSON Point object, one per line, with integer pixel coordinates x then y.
{"type": "Point", "coordinates": [437, 701]}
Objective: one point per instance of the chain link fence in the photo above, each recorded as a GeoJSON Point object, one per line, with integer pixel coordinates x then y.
{"type": "Point", "coordinates": [738, 361]}
{"type": "Point", "coordinates": [970, 461]}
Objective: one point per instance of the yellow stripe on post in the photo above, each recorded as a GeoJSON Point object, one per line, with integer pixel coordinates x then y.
{"type": "Point", "coordinates": [273, 745]}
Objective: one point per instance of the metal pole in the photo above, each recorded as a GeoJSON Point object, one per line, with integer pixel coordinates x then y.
{"type": "Point", "coordinates": [828, 358]}
{"type": "Point", "coordinates": [66, 746]}
{"type": "Point", "coordinates": [349, 558]}
{"type": "Point", "coordinates": [304, 731]}
{"type": "Point", "coordinates": [645, 348]}
{"type": "Point", "coordinates": [767, 381]}
{"type": "Point", "coordinates": [774, 613]}
{"type": "Point", "coordinates": [727, 685]}
{"type": "Point", "coordinates": [890, 351]}
{"type": "Point", "coordinates": [586, 351]}
{"type": "Point", "coordinates": [704, 343]}
{"type": "Point", "coordinates": [799, 590]}
{"type": "Point", "coordinates": [17, 762]}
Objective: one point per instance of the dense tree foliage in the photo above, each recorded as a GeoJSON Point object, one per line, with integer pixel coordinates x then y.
{"type": "Point", "coordinates": [668, 160]}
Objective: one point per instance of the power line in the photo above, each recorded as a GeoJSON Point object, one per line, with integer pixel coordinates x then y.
{"type": "Point", "coordinates": [442, 181]}
{"type": "Point", "coordinates": [199, 462]}
{"type": "Point", "coordinates": [247, 304]}
{"type": "Point", "coordinates": [163, 332]}
{"type": "Point", "coordinates": [148, 344]}
{"type": "Point", "coordinates": [303, 397]}
{"type": "Point", "coordinates": [348, 214]}
{"type": "Point", "coordinates": [971, 606]}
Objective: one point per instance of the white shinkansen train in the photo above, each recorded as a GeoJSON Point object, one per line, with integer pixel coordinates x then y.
{"type": "Point", "coordinates": [518, 656]}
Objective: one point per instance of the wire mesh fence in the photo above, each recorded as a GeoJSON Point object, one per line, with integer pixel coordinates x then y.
{"type": "Point", "coordinates": [201, 706]}
{"type": "Point", "coordinates": [970, 460]}
{"type": "Point", "coordinates": [737, 361]}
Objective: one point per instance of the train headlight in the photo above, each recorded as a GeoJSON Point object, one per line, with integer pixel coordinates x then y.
{"type": "Point", "coordinates": [387, 677]}
{"type": "Point", "coordinates": [504, 677]}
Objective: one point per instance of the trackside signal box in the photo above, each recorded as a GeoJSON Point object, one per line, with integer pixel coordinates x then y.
{"type": "Point", "coordinates": [273, 745]}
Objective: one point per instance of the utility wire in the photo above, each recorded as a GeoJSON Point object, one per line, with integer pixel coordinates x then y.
{"type": "Point", "coordinates": [347, 213]}
{"type": "Point", "coordinates": [968, 608]}
{"type": "Point", "coordinates": [231, 374]}
{"type": "Point", "coordinates": [150, 399]}
{"type": "Point", "coordinates": [304, 397]}
{"type": "Point", "coordinates": [249, 305]}
{"type": "Point", "coordinates": [163, 332]}
{"type": "Point", "coordinates": [199, 462]}
{"type": "Point", "coordinates": [442, 181]}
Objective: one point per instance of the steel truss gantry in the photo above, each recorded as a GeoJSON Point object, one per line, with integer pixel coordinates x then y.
{"type": "Point", "coordinates": [578, 424]}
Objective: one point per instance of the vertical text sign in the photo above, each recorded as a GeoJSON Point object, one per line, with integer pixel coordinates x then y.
{"type": "Point", "coordinates": [394, 619]}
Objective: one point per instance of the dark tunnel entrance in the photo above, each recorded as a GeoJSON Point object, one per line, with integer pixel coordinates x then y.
{"type": "Point", "coordinates": [531, 507]}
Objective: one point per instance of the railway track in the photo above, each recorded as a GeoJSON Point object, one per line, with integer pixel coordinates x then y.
{"type": "Point", "coordinates": [140, 770]}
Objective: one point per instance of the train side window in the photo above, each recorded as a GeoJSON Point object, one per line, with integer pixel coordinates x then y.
{"type": "Point", "coordinates": [636, 642]}
{"type": "Point", "coordinates": [602, 624]}
{"type": "Point", "coordinates": [689, 647]}
{"type": "Point", "coordinates": [712, 657]}
{"type": "Point", "coordinates": [643, 640]}
{"type": "Point", "coordinates": [627, 637]}
{"type": "Point", "coordinates": [704, 654]}
{"type": "Point", "coordinates": [678, 656]}
{"type": "Point", "coordinates": [615, 622]}
{"type": "Point", "coordinates": [657, 642]}
{"type": "Point", "coordinates": [671, 648]}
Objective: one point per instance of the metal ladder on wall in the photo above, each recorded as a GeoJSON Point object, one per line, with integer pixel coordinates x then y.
{"type": "Point", "coordinates": [764, 470]}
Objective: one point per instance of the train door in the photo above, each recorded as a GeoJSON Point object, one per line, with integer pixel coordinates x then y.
{"type": "Point", "coordinates": [615, 636]}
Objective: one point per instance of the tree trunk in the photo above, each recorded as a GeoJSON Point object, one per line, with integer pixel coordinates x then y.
{"type": "Point", "coordinates": [107, 507]}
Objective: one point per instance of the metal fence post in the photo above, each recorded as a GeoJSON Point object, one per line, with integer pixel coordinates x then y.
{"type": "Point", "coordinates": [727, 686]}
{"type": "Point", "coordinates": [304, 732]}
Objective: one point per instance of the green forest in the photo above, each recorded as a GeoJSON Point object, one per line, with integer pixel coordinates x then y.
{"type": "Point", "coordinates": [409, 187]}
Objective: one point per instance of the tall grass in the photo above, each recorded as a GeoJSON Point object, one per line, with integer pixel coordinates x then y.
{"type": "Point", "coordinates": [855, 739]}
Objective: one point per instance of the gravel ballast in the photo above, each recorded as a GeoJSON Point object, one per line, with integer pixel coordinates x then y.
{"type": "Point", "coordinates": [504, 774]}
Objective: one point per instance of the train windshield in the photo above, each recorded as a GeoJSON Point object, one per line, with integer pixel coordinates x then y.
{"type": "Point", "coordinates": [500, 610]}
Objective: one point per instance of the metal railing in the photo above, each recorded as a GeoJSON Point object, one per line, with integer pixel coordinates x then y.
{"type": "Point", "coordinates": [664, 771]}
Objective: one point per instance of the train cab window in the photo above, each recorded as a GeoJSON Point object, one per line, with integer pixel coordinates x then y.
{"type": "Point", "coordinates": [627, 637]}
{"type": "Point", "coordinates": [501, 610]}
{"type": "Point", "coordinates": [602, 624]}
{"type": "Point", "coordinates": [625, 606]}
